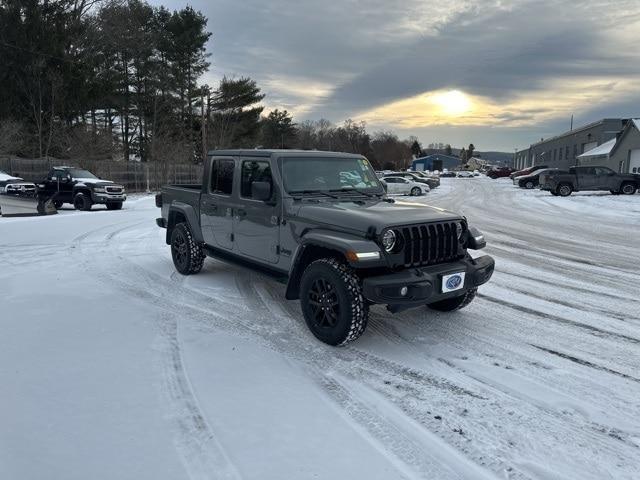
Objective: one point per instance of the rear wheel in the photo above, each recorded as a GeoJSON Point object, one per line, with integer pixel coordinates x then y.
{"type": "Point", "coordinates": [332, 302]}
{"type": "Point", "coordinates": [82, 202]}
{"type": "Point", "coordinates": [415, 191]}
{"type": "Point", "coordinates": [529, 184]}
{"type": "Point", "coordinates": [628, 188]}
{"type": "Point", "coordinates": [454, 303]}
{"type": "Point", "coordinates": [564, 189]}
{"type": "Point", "coordinates": [187, 254]}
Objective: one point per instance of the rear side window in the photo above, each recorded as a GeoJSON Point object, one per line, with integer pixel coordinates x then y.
{"type": "Point", "coordinates": [222, 177]}
{"type": "Point", "coordinates": [254, 172]}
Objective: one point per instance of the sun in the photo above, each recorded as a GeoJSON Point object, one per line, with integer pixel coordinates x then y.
{"type": "Point", "coordinates": [452, 102]}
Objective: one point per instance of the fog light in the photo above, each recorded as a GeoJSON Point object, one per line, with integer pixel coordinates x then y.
{"type": "Point", "coordinates": [404, 291]}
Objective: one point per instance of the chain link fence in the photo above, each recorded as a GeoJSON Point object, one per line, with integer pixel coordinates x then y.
{"type": "Point", "coordinates": [134, 176]}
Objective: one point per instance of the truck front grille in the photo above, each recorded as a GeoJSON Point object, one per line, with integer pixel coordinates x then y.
{"type": "Point", "coordinates": [430, 243]}
{"type": "Point", "coordinates": [115, 190]}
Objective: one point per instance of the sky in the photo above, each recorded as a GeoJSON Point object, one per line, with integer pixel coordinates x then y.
{"type": "Point", "coordinates": [499, 74]}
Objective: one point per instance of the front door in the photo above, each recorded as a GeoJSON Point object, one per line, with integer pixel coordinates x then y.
{"type": "Point", "coordinates": [634, 161]}
{"type": "Point", "coordinates": [256, 222]}
{"type": "Point", "coordinates": [216, 205]}
{"type": "Point", "coordinates": [605, 179]}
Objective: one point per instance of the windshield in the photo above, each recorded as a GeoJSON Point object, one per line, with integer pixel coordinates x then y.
{"type": "Point", "coordinates": [324, 174]}
{"type": "Point", "coordinates": [79, 173]}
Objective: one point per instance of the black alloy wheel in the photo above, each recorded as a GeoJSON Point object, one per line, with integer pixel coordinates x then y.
{"type": "Point", "coordinates": [323, 302]}
{"type": "Point", "coordinates": [180, 250]}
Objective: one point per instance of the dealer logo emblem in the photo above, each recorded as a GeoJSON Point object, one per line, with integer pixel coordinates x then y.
{"type": "Point", "coordinates": [454, 282]}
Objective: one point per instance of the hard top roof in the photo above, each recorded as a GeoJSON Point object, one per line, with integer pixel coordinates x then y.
{"type": "Point", "coordinates": [279, 153]}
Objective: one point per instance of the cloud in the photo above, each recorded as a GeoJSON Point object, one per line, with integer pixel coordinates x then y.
{"type": "Point", "coordinates": [525, 65]}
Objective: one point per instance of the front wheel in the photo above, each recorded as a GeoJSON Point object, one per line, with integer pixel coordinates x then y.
{"type": "Point", "coordinates": [454, 303]}
{"type": "Point", "coordinates": [529, 185]}
{"type": "Point", "coordinates": [415, 191]}
{"type": "Point", "coordinates": [187, 254]}
{"type": "Point", "coordinates": [332, 302]}
{"type": "Point", "coordinates": [82, 202]}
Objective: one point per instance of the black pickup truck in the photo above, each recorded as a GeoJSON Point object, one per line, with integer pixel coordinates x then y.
{"type": "Point", "coordinates": [336, 240]}
{"type": "Point", "coordinates": [81, 188]}
{"type": "Point", "coordinates": [589, 178]}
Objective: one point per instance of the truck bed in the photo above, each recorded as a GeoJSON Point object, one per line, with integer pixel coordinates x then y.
{"type": "Point", "coordinates": [185, 193]}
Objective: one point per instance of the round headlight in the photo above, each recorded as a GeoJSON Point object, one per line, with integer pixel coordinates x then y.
{"type": "Point", "coordinates": [389, 240]}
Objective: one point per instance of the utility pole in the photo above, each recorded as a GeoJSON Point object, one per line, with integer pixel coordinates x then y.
{"type": "Point", "coordinates": [204, 128]}
{"type": "Point", "coordinates": [571, 129]}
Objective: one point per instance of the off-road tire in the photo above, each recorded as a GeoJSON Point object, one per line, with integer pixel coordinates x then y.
{"type": "Point", "coordinates": [351, 310]}
{"type": "Point", "coordinates": [114, 206]}
{"type": "Point", "coordinates": [564, 189]}
{"type": "Point", "coordinates": [82, 202]}
{"type": "Point", "coordinates": [628, 188]}
{"type": "Point", "coordinates": [188, 256]}
{"type": "Point", "coordinates": [454, 303]}
{"type": "Point", "coordinates": [416, 192]}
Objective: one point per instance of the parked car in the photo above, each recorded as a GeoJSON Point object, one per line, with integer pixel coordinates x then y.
{"type": "Point", "coordinates": [532, 180]}
{"type": "Point", "coordinates": [433, 182]}
{"type": "Point", "coordinates": [18, 196]}
{"type": "Point", "coordinates": [447, 174]}
{"type": "Point", "coordinates": [499, 172]}
{"type": "Point", "coordinates": [338, 249]}
{"type": "Point", "coordinates": [589, 179]}
{"type": "Point", "coordinates": [398, 185]}
{"type": "Point", "coordinates": [465, 174]}
{"type": "Point", "coordinates": [81, 188]}
{"type": "Point", "coordinates": [526, 171]}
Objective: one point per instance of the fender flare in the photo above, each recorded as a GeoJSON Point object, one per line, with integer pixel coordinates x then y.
{"type": "Point", "coordinates": [320, 243]}
{"type": "Point", "coordinates": [189, 213]}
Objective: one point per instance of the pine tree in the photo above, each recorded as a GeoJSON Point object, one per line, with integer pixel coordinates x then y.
{"type": "Point", "coordinates": [278, 130]}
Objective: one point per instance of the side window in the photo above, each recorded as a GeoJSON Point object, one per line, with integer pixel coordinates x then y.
{"type": "Point", "coordinates": [222, 177]}
{"type": "Point", "coordinates": [603, 171]}
{"type": "Point", "coordinates": [254, 172]}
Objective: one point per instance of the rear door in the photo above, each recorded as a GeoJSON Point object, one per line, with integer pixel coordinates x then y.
{"type": "Point", "coordinates": [586, 178]}
{"type": "Point", "coordinates": [216, 204]}
{"type": "Point", "coordinates": [256, 222]}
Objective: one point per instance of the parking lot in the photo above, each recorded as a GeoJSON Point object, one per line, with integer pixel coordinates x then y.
{"type": "Point", "coordinates": [115, 366]}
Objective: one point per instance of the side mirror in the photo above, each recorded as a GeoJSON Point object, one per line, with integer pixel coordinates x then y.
{"type": "Point", "coordinates": [261, 191]}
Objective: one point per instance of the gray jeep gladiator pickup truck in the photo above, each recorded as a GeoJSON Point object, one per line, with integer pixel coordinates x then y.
{"type": "Point", "coordinates": [322, 223]}
{"type": "Point", "coordinates": [589, 178]}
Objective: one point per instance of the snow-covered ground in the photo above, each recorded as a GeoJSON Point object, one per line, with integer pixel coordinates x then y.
{"type": "Point", "coordinates": [114, 366]}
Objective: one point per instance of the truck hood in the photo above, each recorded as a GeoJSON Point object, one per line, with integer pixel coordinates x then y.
{"type": "Point", "coordinates": [379, 214]}
{"type": "Point", "coordinates": [92, 181]}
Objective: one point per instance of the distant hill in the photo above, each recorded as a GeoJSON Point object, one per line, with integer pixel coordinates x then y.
{"type": "Point", "coordinates": [498, 158]}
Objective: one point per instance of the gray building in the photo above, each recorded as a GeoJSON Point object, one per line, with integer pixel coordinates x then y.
{"type": "Point", "coordinates": [562, 151]}
{"type": "Point", "coordinates": [621, 154]}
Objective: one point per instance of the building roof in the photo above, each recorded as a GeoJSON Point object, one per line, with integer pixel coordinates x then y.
{"type": "Point", "coordinates": [576, 130]}
{"type": "Point", "coordinates": [436, 155]}
{"type": "Point", "coordinates": [604, 149]}
{"type": "Point", "coordinates": [632, 123]}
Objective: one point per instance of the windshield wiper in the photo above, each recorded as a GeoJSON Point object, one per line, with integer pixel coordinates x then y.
{"type": "Point", "coordinates": [356, 190]}
{"type": "Point", "coordinates": [307, 192]}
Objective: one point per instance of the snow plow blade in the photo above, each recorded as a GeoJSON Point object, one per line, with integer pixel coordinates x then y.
{"type": "Point", "coordinates": [17, 205]}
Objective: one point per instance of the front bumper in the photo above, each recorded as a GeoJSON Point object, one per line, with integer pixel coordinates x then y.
{"type": "Point", "coordinates": [424, 285]}
{"type": "Point", "coordinates": [108, 197]}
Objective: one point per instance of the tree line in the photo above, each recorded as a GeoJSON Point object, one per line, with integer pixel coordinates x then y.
{"type": "Point", "coordinates": [122, 79]}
